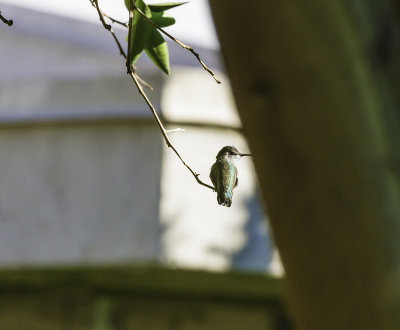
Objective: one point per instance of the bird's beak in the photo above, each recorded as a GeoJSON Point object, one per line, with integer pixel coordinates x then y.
{"type": "Point", "coordinates": [241, 155]}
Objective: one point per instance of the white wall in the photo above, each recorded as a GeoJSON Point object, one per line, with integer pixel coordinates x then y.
{"type": "Point", "coordinates": [85, 176]}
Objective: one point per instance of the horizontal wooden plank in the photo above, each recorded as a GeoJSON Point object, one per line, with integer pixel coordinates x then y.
{"type": "Point", "coordinates": [146, 280]}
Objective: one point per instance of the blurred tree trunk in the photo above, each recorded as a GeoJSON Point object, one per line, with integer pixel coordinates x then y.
{"type": "Point", "coordinates": [315, 85]}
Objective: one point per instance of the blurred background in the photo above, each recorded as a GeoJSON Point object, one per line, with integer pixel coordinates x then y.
{"type": "Point", "coordinates": [92, 202]}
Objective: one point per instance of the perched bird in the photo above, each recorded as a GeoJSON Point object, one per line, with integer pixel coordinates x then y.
{"type": "Point", "coordinates": [224, 174]}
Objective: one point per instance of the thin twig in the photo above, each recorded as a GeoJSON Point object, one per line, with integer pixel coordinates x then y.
{"type": "Point", "coordinates": [9, 22]}
{"type": "Point", "coordinates": [121, 50]}
{"type": "Point", "coordinates": [136, 80]}
{"type": "Point", "coordinates": [115, 20]}
{"type": "Point", "coordinates": [187, 47]}
{"type": "Point", "coordinates": [175, 130]}
{"type": "Point", "coordinates": [128, 56]}
{"type": "Point", "coordinates": [95, 5]}
{"type": "Point", "coordinates": [106, 26]}
{"type": "Point", "coordinates": [164, 131]}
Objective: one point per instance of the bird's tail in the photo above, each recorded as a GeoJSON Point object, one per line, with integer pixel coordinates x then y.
{"type": "Point", "coordinates": [224, 198]}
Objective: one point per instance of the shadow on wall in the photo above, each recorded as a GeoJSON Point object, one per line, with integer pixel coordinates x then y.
{"type": "Point", "coordinates": [257, 252]}
{"type": "Point", "coordinates": [200, 234]}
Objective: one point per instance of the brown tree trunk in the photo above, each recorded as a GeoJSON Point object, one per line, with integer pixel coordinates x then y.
{"type": "Point", "coordinates": [314, 82]}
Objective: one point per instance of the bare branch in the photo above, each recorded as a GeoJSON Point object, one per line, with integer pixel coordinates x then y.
{"type": "Point", "coordinates": [9, 22]}
{"type": "Point", "coordinates": [164, 132]}
{"type": "Point", "coordinates": [128, 57]}
{"type": "Point", "coordinates": [106, 26]}
{"type": "Point", "coordinates": [177, 41]}
{"type": "Point", "coordinates": [115, 20]}
{"type": "Point", "coordinates": [175, 130]}
{"type": "Point", "coordinates": [136, 80]}
{"type": "Point", "coordinates": [95, 5]}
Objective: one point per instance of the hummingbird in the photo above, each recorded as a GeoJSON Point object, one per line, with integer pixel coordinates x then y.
{"type": "Point", "coordinates": [224, 174]}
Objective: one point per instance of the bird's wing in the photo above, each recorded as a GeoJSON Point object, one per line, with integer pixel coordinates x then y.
{"type": "Point", "coordinates": [214, 175]}
{"type": "Point", "coordinates": [223, 175]}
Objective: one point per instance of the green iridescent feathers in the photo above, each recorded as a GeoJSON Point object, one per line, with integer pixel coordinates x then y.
{"type": "Point", "coordinates": [223, 175]}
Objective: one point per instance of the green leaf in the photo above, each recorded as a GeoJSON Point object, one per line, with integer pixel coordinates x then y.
{"type": "Point", "coordinates": [145, 36]}
{"type": "Point", "coordinates": [140, 34]}
{"type": "Point", "coordinates": [136, 2]}
{"type": "Point", "coordinates": [157, 51]}
{"type": "Point", "coordinates": [127, 4]}
{"type": "Point", "coordinates": [141, 31]}
{"type": "Point", "coordinates": [164, 6]}
{"type": "Point", "coordinates": [161, 20]}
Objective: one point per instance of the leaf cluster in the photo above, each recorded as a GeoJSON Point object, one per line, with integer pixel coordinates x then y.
{"type": "Point", "coordinates": [145, 36]}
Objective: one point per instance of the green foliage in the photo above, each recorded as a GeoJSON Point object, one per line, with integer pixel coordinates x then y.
{"type": "Point", "coordinates": [146, 37]}
{"type": "Point", "coordinates": [165, 6]}
{"type": "Point", "coordinates": [161, 20]}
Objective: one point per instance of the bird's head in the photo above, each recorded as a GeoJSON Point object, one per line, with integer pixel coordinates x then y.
{"type": "Point", "coordinates": [230, 152]}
